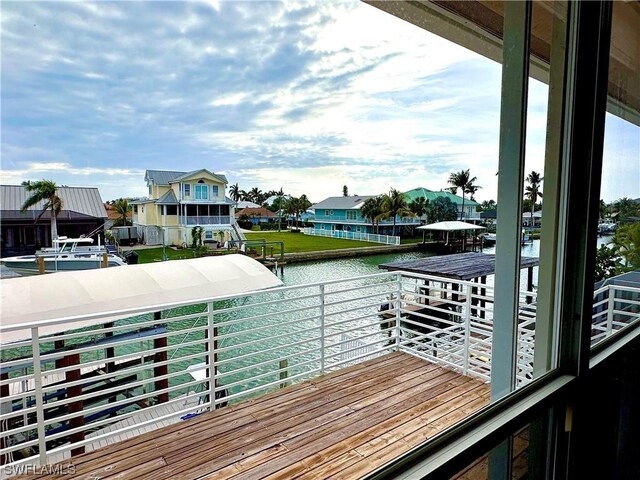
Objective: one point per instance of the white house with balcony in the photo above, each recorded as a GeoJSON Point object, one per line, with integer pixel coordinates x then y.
{"type": "Point", "coordinates": [180, 201]}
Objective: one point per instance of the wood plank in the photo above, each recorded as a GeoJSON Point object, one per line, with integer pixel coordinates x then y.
{"type": "Point", "coordinates": [345, 422]}
{"type": "Point", "coordinates": [388, 453]}
{"type": "Point", "coordinates": [305, 445]}
{"type": "Point", "coordinates": [394, 429]}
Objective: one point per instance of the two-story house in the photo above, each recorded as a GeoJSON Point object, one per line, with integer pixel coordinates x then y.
{"type": "Point", "coordinates": [470, 206]}
{"type": "Point", "coordinates": [343, 213]}
{"type": "Point", "coordinates": [179, 201]}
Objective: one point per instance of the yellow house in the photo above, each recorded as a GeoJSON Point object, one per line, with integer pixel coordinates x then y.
{"type": "Point", "coordinates": [180, 201]}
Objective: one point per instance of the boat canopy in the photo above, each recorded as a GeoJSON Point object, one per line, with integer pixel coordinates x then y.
{"type": "Point", "coordinates": [67, 300]}
{"type": "Point", "coordinates": [450, 226]}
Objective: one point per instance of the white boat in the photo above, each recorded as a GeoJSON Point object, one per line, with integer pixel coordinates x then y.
{"type": "Point", "coordinates": [66, 254]}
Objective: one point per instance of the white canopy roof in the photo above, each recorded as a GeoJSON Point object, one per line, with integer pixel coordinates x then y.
{"type": "Point", "coordinates": [450, 226]}
{"type": "Point", "coordinates": [84, 297]}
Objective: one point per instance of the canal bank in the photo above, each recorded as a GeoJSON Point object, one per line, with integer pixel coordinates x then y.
{"type": "Point", "coordinates": [351, 252]}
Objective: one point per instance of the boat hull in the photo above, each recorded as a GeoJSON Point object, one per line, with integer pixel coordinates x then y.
{"type": "Point", "coordinates": [28, 265]}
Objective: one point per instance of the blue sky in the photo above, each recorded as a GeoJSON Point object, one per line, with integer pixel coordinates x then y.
{"type": "Point", "coordinates": [305, 96]}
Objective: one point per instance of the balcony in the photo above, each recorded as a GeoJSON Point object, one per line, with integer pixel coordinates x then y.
{"type": "Point", "coordinates": [332, 378]}
{"type": "Point", "coordinates": [208, 220]}
{"type": "Point", "coordinates": [362, 221]}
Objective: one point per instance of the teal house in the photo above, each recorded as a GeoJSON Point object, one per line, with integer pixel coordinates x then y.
{"type": "Point", "coordinates": [343, 214]}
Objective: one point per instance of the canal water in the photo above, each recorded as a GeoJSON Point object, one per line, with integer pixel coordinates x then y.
{"type": "Point", "coordinates": [294, 274]}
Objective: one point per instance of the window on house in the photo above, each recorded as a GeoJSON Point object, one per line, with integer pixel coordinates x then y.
{"type": "Point", "coordinates": [351, 215]}
{"type": "Point", "coordinates": [187, 189]}
{"type": "Point", "coordinates": [172, 209]}
{"type": "Point", "coordinates": [214, 191]}
{"type": "Point", "coordinates": [326, 212]}
{"type": "Point", "coordinates": [201, 192]}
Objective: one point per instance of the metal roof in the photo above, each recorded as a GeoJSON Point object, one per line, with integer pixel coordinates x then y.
{"type": "Point", "coordinates": [168, 198]}
{"type": "Point", "coordinates": [431, 196]}
{"type": "Point", "coordinates": [161, 177]}
{"type": "Point", "coordinates": [82, 200]}
{"type": "Point", "coordinates": [342, 203]}
{"type": "Point", "coordinates": [461, 266]}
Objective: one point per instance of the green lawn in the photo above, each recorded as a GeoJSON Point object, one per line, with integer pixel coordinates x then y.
{"type": "Point", "coordinates": [150, 255]}
{"type": "Point", "coordinates": [299, 242]}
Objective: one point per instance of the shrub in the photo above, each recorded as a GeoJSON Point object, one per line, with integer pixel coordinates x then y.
{"type": "Point", "coordinates": [255, 228]}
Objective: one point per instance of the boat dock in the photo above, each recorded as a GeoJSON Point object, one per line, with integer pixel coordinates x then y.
{"type": "Point", "coordinates": [343, 424]}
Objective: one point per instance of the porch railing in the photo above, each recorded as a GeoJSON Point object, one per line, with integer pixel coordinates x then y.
{"type": "Point", "coordinates": [365, 237]}
{"type": "Point", "coordinates": [77, 390]}
{"type": "Point", "coordinates": [208, 220]}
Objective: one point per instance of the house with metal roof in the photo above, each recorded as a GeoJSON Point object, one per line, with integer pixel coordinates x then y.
{"type": "Point", "coordinates": [470, 206]}
{"type": "Point", "coordinates": [22, 233]}
{"type": "Point", "coordinates": [180, 201]}
{"type": "Point", "coordinates": [343, 214]}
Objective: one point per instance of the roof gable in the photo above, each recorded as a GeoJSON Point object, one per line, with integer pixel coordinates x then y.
{"type": "Point", "coordinates": [165, 177]}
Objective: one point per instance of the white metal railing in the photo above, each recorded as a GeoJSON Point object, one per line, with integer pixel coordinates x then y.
{"type": "Point", "coordinates": [208, 220]}
{"type": "Point", "coordinates": [347, 235]}
{"type": "Point", "coordinates": [60, 393]}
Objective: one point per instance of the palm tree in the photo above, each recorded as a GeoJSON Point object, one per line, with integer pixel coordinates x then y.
{"type": "Point", "coordinates": [462, 180]}
{"type": "Point", "coordinates": [371, 209]}
{"type": "Point", "coordinates": [532, 191]}
{"type": "Point", "coordinates": [44, 191]}
{"type": "Point", "coordinates": [234, 191]}
{"type": "Point", "coordinates": [419, 206]}
{"type": "Point", "coordinates": [393, 204]}
{"type": "Point", "coordinates": [255, 195]}
{"type": "Point", "coordinates": [122, 208]}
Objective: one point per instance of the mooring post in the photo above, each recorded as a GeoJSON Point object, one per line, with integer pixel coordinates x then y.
{"type": "Point", "coordinates": [75, 406]}
{"type": "Point", "coordinates": [41, 268]}
{"type": "Point", "coordinates": [160, 370]}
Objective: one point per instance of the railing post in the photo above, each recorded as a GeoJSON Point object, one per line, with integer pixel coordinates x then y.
{"type": "Point", "coordinates": [37, 377]}
{"type": "Point", "coordinates": [467, 329]}
{"type": "Point", "coordinates": [322, 333]}
{"type": "Point", "coordinates": [611, 305]}
{"type": "Point", "coordinates": [398, 306]}
{"type": "Point", "coordinates": [212, 357]}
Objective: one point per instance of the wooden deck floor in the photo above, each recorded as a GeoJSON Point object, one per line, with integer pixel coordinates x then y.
{"type": "Point", "coordinates": [340, 425]}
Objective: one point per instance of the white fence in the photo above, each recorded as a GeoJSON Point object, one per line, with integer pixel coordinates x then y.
{"type": "Point", "coordinates": [79, 390]}
{"type": "Point", "coordinates": [365, 237]}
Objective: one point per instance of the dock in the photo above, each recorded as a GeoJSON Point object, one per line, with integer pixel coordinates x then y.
{"type": "Point", "coordinates": [344, 424]}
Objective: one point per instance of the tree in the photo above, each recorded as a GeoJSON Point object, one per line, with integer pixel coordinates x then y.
{"type": "Point", "coordinates": [44, 191]}
{"type": "Point", "coordinates": [607, 262]}
{"type": "Point", "coordinates": [394, 203]}
{"type": "Point", "coordinates": [441, 210]}
{"type": "Point", "coordinates": [235, 192]}
{"type": "Point", "coordinates": [462, 180]}
{"type": "Point", "coordinates": [626, 207]}
{"type": "Point", "coordinates": [371, 209]}
{"type": "Point", "coordinates": [122, 208]}
{"type": "Point", "coordinates": [295, 206]}
{"type": "Point", "coordinates": [532, 191]}
{"type": "Point", "coordinates": [488, 205]}
{"type": "Point", "coordinates": [419, 206]}
{"type": "Point", "coordinates": [627, 243]}
{"type": "Point", "coordinates": [345, 191]}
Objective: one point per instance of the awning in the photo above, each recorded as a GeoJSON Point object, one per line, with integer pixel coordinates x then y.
{"type": "Point", "coordinates": [91, 297]}
{"type": "Point", "coordinates": [450, 226]}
